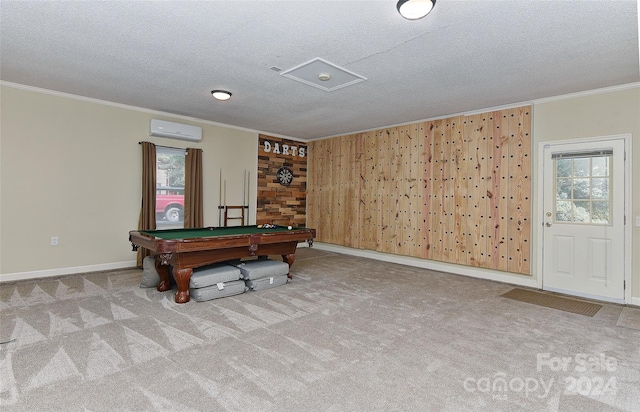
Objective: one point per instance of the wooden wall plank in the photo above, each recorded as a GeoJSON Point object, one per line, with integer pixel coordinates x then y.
{"type": "Point", "coordinates": [356, 196]}
{"type": "Point", "coordinates": [394, 230]}
{"type": "Point", "coordinates": [369, 192]}
{"type": "Point", "coordinates": [474, 190]}
{"type": "Point", "coordinates": [407, 206]}
{"type": "Point", "coordinates": [427, 190]}
{"type": "Point", "coordinates": [498, 202]}
{"type": "Point", "coordinates": [315, 192]}
{"type": "Point", "coordinates": [525, 122]}
{"type": "Point", "coordinates": [437, 198]}
{"type": "Point", "coordinates": [447, 196]}
{"type": "Point", "coordinates": [483, 127]}
{"type": "Point", "coordinates": [325, 200]}
{"type": "Point", "coordinates": [416, 164]}
{"type": "Point", "coordinates": [472, 214]}
{"type": "Point", "coordinates": [404, 233]}
{"type": "Point", "coordinates": [348, 207]}
{"type": "Point", "coordinates": [378, 186]}
{"type": "Point", "coordinates": [333, 206]}
{"type": "Point", "coordinates": [312, 186]}
{"type": "Point", "coordinates": [341, 183]}
{"type": "Point", "coordinates": [351, 194]}
{"type": "Point", "coordinates": [519, 190]}
{"type": "Point", "coordinates": [459, 176]}
{"type": "Point", "coordinates": [384, 189]}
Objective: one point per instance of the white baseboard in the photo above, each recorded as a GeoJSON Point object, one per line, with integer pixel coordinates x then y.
{"type": "Point", "coordinates": [515, 279]}
{"type": "Point", "coordinates": [12, 277]}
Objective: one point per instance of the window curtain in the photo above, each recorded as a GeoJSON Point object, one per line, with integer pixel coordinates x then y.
{"type": "Point", "coordinates": [193, 213]}
{"type": "Point", "coordinates": [147, 220]}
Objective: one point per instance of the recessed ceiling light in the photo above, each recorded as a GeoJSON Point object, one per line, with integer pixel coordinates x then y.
{"type": "Point", "coordinates": [221, 94]}
{"type": "Point", "coordinates": [415, 9]}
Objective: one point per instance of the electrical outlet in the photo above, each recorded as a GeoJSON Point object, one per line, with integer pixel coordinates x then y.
{"type": "Point", "coordinates": [54, 240]}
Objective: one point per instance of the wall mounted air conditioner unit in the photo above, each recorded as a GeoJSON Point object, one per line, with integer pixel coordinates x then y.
{"type": "Point", "coordinates": [175, 130]}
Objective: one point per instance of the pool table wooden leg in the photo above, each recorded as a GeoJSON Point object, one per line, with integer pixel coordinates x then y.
{"type": "Point", "coordinates": [182, 277]}
{"type": "Point", "coordinates": [163, 271]}
{"type": "Point", "coordinates": [289, 259]}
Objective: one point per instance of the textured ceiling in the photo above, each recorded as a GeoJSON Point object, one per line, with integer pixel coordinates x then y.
{"type": "Point", "coordinates": [464, 56]}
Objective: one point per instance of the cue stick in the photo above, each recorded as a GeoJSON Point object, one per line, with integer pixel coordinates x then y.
{"type": "Point", "coordinates": [220, 201]}
{"type": "Point", "coordinates": [224, 203]}
{"type": "Point", "coordinates": [246, 204]}
{"type": "Point", "coordinates": [244, 188]}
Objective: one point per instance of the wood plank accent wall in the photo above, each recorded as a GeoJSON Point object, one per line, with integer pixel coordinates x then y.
{"type": "Point", "coordinates": [277, 204]}
{"type": "Point", "coordinates": [456, 190]}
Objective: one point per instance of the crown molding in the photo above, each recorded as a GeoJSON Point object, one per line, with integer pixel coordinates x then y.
{"type": "Point", "coordinates": [585, 93]}
{"type": "Point", "coordinates": [495, 108]}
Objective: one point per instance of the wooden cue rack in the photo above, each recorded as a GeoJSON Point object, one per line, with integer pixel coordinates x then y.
{"type": "Point", "coordinates": [242, 214]}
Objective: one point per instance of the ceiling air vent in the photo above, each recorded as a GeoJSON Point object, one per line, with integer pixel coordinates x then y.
{"type": "Point", "coordinates": [323, 75]}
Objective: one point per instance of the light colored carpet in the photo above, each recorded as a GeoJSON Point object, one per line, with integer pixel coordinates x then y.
{"type": "Point", "coordinates": [629, 318]}
{"type": "Point", "coordinates": [347, 334]}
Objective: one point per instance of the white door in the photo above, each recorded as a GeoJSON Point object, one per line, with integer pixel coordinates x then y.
{"type": "Point", "coordinates": [583, 223]}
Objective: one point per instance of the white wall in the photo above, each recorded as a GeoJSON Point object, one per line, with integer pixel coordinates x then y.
{"type": "Point", "coordinates": [586, 116]}
{"type": "Point", "coordinates": [72, 168]}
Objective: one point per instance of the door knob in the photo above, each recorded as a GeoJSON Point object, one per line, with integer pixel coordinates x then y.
{"type": "Point", "coordinates": [548, 224]}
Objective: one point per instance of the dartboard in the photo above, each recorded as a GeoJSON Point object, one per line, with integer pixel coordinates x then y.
{"type": "Point", "coordinates": [284, 176]}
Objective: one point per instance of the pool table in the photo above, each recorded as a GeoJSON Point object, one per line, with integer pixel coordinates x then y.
{"type": "Point", "coordinates": [186, 249]}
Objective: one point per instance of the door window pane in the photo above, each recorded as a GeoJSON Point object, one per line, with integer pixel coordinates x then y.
{"type": "Point", "coordinates": [600, 212]}
{"type": "Point", "coordinates": [563, 188]}
{"type": "Point", "coordinates": [582, 188]}
{"type": "Point", "coordinates": [581, 167]}
{"type": "Point", "coordinates": [600, 188]}
{"type": "Point", "coordinates": [563, 211]}
{"type": "Point", "coordinates": [581, 212]}
{"type": "Point", "coordinates": [563, 167]}
{"type": "Point", "coordinates": [600, 166]}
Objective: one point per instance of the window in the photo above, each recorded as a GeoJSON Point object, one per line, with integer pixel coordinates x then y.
{"type": "Point", "coordinates": [170, 164]}
{"type": "Point", "coordinates": [582, 187]}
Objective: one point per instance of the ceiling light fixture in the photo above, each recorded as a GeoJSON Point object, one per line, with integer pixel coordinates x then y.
{"type": "Point", "coordinates": [221, 94]}
{"type": "Point", "coordinates": [415, 9]}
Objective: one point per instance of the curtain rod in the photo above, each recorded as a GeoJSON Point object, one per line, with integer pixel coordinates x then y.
{"type": "Point", "coordinates": [169, 147]}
